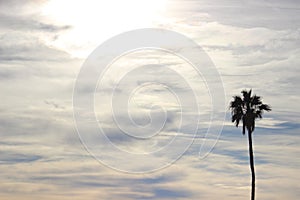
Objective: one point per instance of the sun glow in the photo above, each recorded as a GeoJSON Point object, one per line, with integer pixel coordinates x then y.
{"type": "Point", "coordinates": [93, 21]}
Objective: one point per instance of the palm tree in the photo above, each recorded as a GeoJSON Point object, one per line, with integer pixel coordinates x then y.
{"type": "Point", "coordinates": [246, 109]}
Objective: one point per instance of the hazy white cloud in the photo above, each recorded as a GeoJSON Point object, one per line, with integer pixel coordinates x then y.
{"type": "Point", "coordinates": [253, 45]}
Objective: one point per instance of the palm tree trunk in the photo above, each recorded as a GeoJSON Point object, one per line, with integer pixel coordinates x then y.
{"type": "Point", "coordinates": [251, 165]}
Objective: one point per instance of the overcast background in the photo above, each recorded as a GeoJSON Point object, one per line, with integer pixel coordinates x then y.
{"type": "Point", "coordinates": [43, 44]}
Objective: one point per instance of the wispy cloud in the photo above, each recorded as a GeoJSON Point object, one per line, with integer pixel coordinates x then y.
{"type": "Point", "coordinates": [253, 45]}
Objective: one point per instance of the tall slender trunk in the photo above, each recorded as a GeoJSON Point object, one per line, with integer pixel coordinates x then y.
{"type": "Point", "coordinates": [251, 165]}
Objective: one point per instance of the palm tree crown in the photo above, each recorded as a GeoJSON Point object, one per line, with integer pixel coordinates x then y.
{"type": "Point", "coordinates": [246, 109]}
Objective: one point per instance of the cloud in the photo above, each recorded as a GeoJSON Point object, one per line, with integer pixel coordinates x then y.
{"type": "Point", "coordinates": [55, 105]}
{"type": "Point", "coordinates": [11, 158]}
{"type": "Point", "coordinates": [25, 47]}
{"type": "Point", "coordinates": [26, 23]}
{"type": "Point", "coordinates": [269, 14]}
{"type": "Point", "coordinates": [253, 44]}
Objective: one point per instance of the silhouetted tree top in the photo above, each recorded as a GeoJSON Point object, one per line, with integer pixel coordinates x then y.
{"type": "Point", "coordinates": [247, 108]}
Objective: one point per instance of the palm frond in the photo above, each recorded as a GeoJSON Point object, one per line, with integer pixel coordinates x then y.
{"type": "Point", "coordinates": [237, 102]}
{"type": "Point", "coordinates": [237, 117]}
{"type": "Point", "coordinates": [258, 114]}
{"type": "Point", "coordinates": [265, 107]}
{"type": "Point", "coordinates": [247, 95]}
{"type": "Point", "coordinates": [255, 100]}
{"type": "Point", "coordinates": [236, 107]}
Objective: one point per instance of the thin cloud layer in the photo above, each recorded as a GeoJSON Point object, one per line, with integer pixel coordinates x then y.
{"type": "Point", "coordinates": [253, 45]}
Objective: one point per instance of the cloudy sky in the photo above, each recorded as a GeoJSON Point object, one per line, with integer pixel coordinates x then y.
{"type": "Point", "coordinates": [151, 110]}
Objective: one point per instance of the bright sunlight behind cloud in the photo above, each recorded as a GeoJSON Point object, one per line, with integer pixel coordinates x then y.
{"type": "Point", "coordinates": [253, 44]}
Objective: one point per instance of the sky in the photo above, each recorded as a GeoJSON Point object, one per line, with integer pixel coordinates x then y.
{"type": "Point", "coordinates": [159, 125]}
